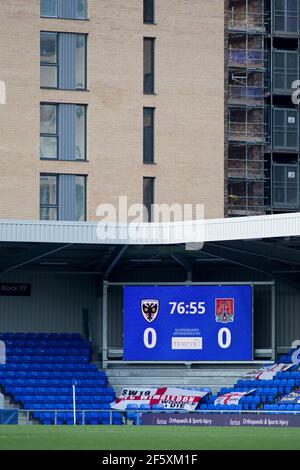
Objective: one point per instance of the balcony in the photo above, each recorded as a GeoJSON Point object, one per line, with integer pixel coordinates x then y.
{"type": "Point", "coordinates": [246, 95]}
{"type": "Point", "coordinates": [240, 21]}
{"type": "Point", "coordinates": [250, 59]}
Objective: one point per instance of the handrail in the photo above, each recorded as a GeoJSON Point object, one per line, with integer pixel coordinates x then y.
{"type": "Point", "coordinates": [139, 413]}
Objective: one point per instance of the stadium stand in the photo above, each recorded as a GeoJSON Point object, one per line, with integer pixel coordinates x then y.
{"type": "Point", "coordinates": [267, 393]}
{"type": "Point", "coordinates": [42, 367]}
{"type": "Point", "coordinates": [39, 373]}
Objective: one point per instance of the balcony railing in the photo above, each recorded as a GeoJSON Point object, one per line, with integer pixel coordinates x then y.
{"type": "Point", "coordinates": [251, 95]}
{"type": "Point", "coordinates": [249, 22]}
{"type": "Point", "coordinates": [247, 132]}
{"type": "Point", "coordinates": [251, 58]}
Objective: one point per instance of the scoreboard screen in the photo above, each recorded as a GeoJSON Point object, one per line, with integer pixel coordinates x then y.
{"type": "Point", "coordinates": [188, 323]}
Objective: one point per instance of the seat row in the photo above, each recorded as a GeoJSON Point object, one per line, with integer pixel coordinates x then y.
{"type": "Point", "coordinates": [282, 407]}
{"type": "Point", "coordinates": [64, 406]}
{"type": "Point", "coordinates": [276, 382]}
{"type": "Point", "coordinates": [47, 344]}
{"type": "Point", "coordinates": [213, 407]}
{"type": "Point", "coordinates": [47, 351]}
{"type": "Point", "coordinates": [27, 366]}
{"type": "Point", "coordinates": [58, 390]}
{"type": "Point", "coordinates": [63, 382]}
{"type": "Point", "coordinates": [80, 374]}
{"type": "Point", "coordinates": [89, 418]}
{"type": "Point", "coordinates": [53, 399]}
{"type": "Point", "coordinates": [40, 336]}
{"type": "Point", "coordinates": [47, 359]}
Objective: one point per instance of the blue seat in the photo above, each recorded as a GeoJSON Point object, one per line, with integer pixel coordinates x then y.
{"type": "Point", "coordinates": [290, 407]}
{"type": "Point", "coordinates": [161, 407]}
{"type": "Point", "coordinates": [145, 407]}
{"type": "Point", "coordinates": [47, 418]}
{"type": "Point", "coordinates": [131, 411]}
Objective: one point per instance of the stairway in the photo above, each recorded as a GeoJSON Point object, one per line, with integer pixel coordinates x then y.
{"type": "Point", "coordinates": [213, 377]}
{"type": "Point", "coordinates": [22, 416]}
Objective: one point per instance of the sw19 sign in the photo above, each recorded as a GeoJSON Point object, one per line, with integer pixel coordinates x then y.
{"type": "Point", "coordinates": [188, 323]}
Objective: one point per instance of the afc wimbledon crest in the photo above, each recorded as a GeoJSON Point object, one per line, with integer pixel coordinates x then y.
{"type": "Point", "coordinates": [224, 310]}
{"type": "Point", "coordinates": [150, 309]}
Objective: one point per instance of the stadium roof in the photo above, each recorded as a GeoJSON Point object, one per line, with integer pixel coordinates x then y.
{"type": "Point", "coordinates": [265, 247]}
{"type": "Point", "coordinates": [209, 230]}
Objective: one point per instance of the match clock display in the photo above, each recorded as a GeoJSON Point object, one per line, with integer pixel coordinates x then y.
{"type": "Point", "coordinates": [188, 323]}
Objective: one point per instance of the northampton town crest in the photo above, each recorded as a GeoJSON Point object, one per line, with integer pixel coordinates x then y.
{"type": "Point", "coordinates": [224, 310]}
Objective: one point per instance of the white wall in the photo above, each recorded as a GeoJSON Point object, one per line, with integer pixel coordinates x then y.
{"type": "Point", "coordinates": [55, 304]}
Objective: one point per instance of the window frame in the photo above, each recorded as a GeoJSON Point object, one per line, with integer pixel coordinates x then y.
{"type": "Point", "coordinates": [152, 40]}
{"type": "Point", "coordinates": [76, 18]}
{"type": "Point", "coordinates": [85, 35]}
{"type": "Point", "coordinates": [152, 161]}
{"type": "Point", "coordinates": [285, 186]}
{"type": "Point", "coordinates": [152, 19]}
{"type": "Point", "coordinates": [47, 16]}
{"type": "Point", "coordinates": [57, 205]}
{"type": "Point", "coordinates": [85, 194]}
{"type": "Point", "coordinates": [47, 64]}
{"type": "Point", "coordinates": [56, 135]}
{"type": "Point", "coordinates": [58, 65]}
{"type": "Point", "coordinates": [50, 206]}
{"type": "Point", "coordinates": [85, 107]}
{"type": "Point", "coordinates": [285, 72]}
{"type": "Point", "coordinates": [285, 15]}
{"type": "Point", "coordinates": [149, 212]}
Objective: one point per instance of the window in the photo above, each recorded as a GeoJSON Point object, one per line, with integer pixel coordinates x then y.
{"type": "Point", "coordinates": [285, 186]}
{"type": "Point", "coordinates": [63, 197]}
{"type": "Point", "coordinates": [80, 190]}
{"type": "Point", "coordinates": [148, 198]}
{"type": "Point", "coordinates": [148, 156]}
{"type": "Point", "coordinates": [81, 9]}
{"type": "Point", "coordinates": [48, 197]}
{"type": "Point", "coordinates": [49, 60]}
{"type": "Point", "coordinates": [149, 65]}
{"type": "Point", "coordinates": [49, 8]}
{"type": "Point", "coordinates": [62, 131]}
{"type": "Point", "coordinates": [149, 11]}
{"type": "Point", "coordinates": [286, 66]}
{"type": "Point", "coordinates": [80, 133]}
{"type": "Point", "coordinates": [49, 136]}
{"type": "Point", "coordinates": [285, 129]}
{"type": "Point", "coordinates": [69, 9]}
{"type": "Point", "coordinates": [80, 61]}
{"type": "Point", "coordinates": [286, 16]}
{"type": "Point", "coordinates": [63, 61]}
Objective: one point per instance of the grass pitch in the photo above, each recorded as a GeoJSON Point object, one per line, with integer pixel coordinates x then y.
{"type": "Point", "coordinates": [146, 438]}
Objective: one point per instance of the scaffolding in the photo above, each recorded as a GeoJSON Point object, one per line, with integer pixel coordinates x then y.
{"type": "Point", "coordinates": [247, 129]}
{"type": "Point", "coordinates": [283, 153]}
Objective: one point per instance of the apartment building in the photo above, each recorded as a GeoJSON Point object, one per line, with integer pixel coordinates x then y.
{"type": "Point", "coordinates": [107, 98]}
{"type": "Point", "coordinates": [263, 122]}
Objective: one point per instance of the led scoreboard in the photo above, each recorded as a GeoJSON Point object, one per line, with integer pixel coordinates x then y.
{"type": "Point", "coordinates": [188, 323]}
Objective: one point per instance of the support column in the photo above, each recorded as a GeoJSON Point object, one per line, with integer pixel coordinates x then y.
{"type": "Point", "coordinates": [273, 321]}
{"type": "Point", "coordinates": [104, 325]}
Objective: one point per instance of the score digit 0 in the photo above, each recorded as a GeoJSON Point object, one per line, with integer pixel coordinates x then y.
{"type": "Point", "coordinates": [147, 333]}
{"type": "Point", "coordinates": [224, 332]}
